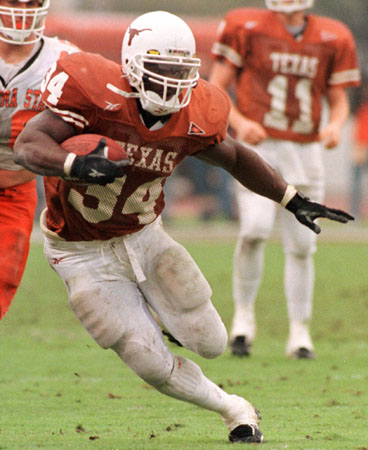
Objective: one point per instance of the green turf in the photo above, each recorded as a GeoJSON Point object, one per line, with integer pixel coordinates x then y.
{"type": "Point", "coordinates": [59, 390]}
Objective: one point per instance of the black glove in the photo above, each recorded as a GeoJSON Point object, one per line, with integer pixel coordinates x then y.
{"type": "Point", "coordinates": [96, 168]}
{"type": "Point", "coordinates": [306, 212]}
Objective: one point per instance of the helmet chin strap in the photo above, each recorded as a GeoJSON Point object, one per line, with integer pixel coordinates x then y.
{"type": "Point", "coordinates": [121, 92]}
{"type": "Point", "coordinates": [151, 103]}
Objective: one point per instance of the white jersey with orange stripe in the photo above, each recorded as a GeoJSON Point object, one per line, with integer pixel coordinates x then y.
{"type": "Point", "coordinates": [20, 96]}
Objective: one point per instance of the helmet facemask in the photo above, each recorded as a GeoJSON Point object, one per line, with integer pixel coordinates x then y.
{"type": "Point", "coordinates": [164, 83]}
{"type": "Point", "coordinates": [18, 24]}
{"type": "Point", "coordinates": [289, 6]}
{"type": "Point", "coordinates": [158, 59]}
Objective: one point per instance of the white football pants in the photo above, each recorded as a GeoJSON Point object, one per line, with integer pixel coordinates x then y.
{"type": "Point", "coordinates": [302, 166]}
{"type": "Point", "coordinates": [109, 285]}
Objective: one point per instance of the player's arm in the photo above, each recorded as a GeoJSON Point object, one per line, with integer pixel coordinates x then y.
{"type": "Point", "coordinates": [246, 166]}
{"type": "Point", "coordinates": [339, 109]}
{"type": "Point", "coordinates": [37, 149]}
{"type": "Point", "coordinates": [224, 76]}
{"type": "Point", "coordinates": [258, 176]}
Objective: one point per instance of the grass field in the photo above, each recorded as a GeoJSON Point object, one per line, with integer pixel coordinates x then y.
{"type": "Point", "coordinates": [59, 390]}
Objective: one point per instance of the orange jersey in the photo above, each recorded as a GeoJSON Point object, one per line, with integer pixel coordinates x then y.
{"type": "Point", "coordinates": [86, 91]}
{"type": "Point", "coordinates": [282, 80]}
{"type": "Point", "coordinates": [17, 206]}
{"type": "Point", "coordinates": [361, 124]}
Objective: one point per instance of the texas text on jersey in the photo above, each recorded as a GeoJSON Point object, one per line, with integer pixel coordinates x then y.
{"type": "Point", "coordinates": [75, 90]}
{"type": "Point", "coordinates": [284, 78]}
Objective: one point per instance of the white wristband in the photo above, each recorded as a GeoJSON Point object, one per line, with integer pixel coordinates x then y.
{"type": "Point", "coordinates": [289, 194]}
{"type": "Point", "coordinates": [68, 163]}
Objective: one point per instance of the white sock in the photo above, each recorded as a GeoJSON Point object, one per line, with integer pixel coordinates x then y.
{"type": "Point", "coordinates": [247, 277]}
{"type": "Point", "coordinates": [299, 285]}
{"type": "Point", "coordinates": [188, 383]}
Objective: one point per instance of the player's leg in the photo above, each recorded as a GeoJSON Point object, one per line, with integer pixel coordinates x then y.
{"type": "Point", "coordinates": [17, 208]}
{"type": "Point", "coordinates": [177, 291]}
{"type": "Point", "coordinates": [303, 167]}
{"type": "Point", "coordinates": [181, 378]}
{"type": "Point", "coordinates": [300, 244]}
{"type": "Point", "coordinates": [256, 216]}
{"type": "Point", "coordinates": [113, 310]}
{"type": "Point", "coordinates": [188, 383]}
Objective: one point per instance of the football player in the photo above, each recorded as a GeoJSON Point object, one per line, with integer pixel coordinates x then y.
{"type": "Point", "coordinates": [105, 238]}
{"type": "Point", "coordinates": [25, 56]}
{"type": "Point", "coordinates": [283, 63]}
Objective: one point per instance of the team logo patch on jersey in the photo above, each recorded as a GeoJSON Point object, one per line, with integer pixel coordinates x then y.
{"type": "Point", "coordinates": [195, 129]}
{"type": "Point", "coordinates": [112, 106]}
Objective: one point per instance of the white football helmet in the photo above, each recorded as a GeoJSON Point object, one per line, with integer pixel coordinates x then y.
{"type": "Point", "coordinates": [289, 6]}
{"type": "Point", "coordinates": [158, 57]}
{"type": "Point", "coordinates": [17, 24]}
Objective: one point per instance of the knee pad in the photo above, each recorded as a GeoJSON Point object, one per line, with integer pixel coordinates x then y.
{"type": "Point", "coordinates": [180, 279]}
{"type": "Point", "coordinates": [201, 331]}
{"type": "Point", "coordinates": [209, 332]}
{"type": "Point", "coordinates": [301, 248]}
{"type": "Point", "coordinates": [249, 244]}
{"type": "Point", "coordinates": [192, 318]}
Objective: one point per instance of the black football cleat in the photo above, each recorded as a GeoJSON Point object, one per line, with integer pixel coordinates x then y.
{"type": "Point", "coordinates": [240, 346]}
{"type": "Point", "coordinates": [247, 434]}
{"type": "Point", "coordinates": [304, 353]}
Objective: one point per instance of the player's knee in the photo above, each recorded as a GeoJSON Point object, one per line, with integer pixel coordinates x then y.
{"type": "Point", "coordinates": [255, 232]}
{"type": "Point", "coordinates": [97, 316]}
{"type": "Point", "coordinates": [249, 243]}
{"type": "Point", "coordinates": [213, 344]}
{"type": "Point", "coordinates": [180, 279]}
{"type": "Point", "coordinates": [199, 327]}
{"type": "Point", "coordinates": [204, 332]}
{"type": "Point", "coordinates": [247, 247]}
{"type": "Point", "coordinates": [301, 249]}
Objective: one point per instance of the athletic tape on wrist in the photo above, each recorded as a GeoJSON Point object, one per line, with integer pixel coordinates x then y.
{"type": "Point", "coordinates": [68, 163]}
{"type": "Point", "coordinates": [289, 194]}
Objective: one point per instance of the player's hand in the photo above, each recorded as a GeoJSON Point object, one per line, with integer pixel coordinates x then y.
{"type": "Point", "coordinates": [330, 136]}
{"type": "Point", "coordinates": [306, 212]}
{"type": "Point", "coordinates": [96, 168]}
{"type": "Point", "coordinates": [251, 132]}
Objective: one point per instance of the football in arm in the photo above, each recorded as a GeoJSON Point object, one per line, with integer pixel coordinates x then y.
{"type": "Point", "coordinates": [83, 144]}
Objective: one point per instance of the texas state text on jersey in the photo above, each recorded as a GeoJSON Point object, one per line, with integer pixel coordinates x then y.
{"type": "Point", "coordinates": [20, 97]}
{"type": "Point", "coordinates": [84, 89]}
{"type": "Point", "coordinates": [281, 79]}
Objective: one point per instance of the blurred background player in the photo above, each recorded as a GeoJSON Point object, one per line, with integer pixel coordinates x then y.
{"type": "Point", "coordinates": [105, 238]}
{"type": "Point", "coordinates": [25, 57]}
{"type": "Point", "coordinates": [282, 62]}
{"type": "Point", "coordinates": [359, 154]}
